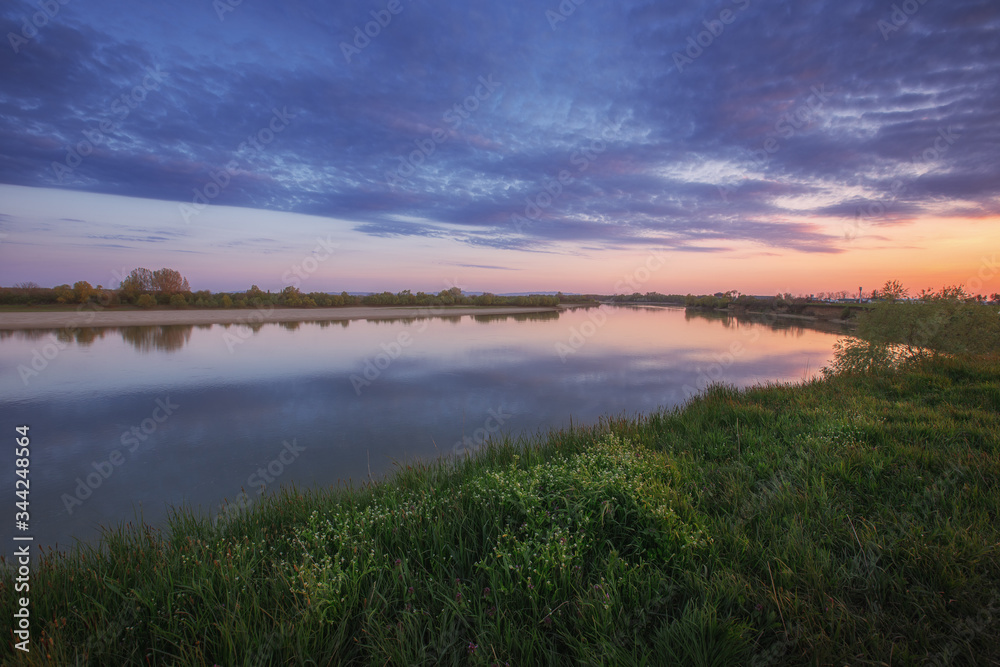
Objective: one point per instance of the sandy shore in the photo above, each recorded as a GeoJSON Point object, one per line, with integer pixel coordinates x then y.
{"type": "Point", "coordinates": [131, 318]}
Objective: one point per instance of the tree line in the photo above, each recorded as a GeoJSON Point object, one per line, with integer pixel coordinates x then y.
{"type": "Point", "coordinates": [167, 287]}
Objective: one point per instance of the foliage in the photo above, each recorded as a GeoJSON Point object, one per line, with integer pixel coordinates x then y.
{"type": "Point", "coordinates": [145, 301]}
{"type": "Point", "coordinates": [139, 281]}
{"type": "Point", "coordinates": [893, 290]}
{"type": "Point", "coordinates": [708, 301]}
{"type": "Point", "coordinates": [649, 297]}
{"type": "Point", "coordinates": [82, 291]}
{"type": "Point", "coordinates": [892, 334]}
{"type": "Point", "coordinates": [169, 282]}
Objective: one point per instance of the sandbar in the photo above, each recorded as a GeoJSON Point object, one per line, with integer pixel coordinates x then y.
{"type": "Point", "coordinates": [133, 318]}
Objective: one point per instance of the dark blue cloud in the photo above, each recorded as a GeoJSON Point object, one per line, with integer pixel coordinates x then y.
{"type": "Point", "coordinates": [679, 125]}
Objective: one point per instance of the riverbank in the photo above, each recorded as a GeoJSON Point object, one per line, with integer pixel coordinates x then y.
{"type": "Point", "coordinates": [743, 312]}
{"type": "Point", "coordinates": [126, 318]}
{"type": "Point", "coordinates": [807, 524]}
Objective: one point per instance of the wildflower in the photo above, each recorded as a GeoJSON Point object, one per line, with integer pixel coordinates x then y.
{"type": "Point", "coordinates": [471, 648]}
{"type": "Point", "coordinates": [486, 592]}
{"type": "Point", "coordinates": [410, 590]}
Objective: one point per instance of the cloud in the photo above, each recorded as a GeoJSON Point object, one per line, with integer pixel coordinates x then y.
{"type": "Point", "coordinates": [789, 115]}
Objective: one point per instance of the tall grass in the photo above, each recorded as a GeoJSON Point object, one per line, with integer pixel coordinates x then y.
{"type": "Point", "coordinates": [851, 519]}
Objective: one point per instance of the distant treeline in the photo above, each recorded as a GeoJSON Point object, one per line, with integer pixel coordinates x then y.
{"type": "Point", "coordinates": [166, 287]}
{"type": "Point", "coordinates": [650, 297]}
{"type": "Point", "coordinates": [892, 291]}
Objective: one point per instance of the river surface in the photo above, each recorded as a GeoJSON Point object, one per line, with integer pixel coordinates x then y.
{"type": "Point", "coordinates": [138, 419]}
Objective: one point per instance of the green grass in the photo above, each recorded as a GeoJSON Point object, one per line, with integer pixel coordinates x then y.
{"type": "Point", "coordinates": [849, 520]}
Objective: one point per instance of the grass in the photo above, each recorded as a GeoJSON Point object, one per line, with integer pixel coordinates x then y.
{"type": "Point", "coordinates": [848, 520]}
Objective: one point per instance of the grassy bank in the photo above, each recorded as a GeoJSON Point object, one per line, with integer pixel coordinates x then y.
{"type": "Point", "coordinates": [853, 519]}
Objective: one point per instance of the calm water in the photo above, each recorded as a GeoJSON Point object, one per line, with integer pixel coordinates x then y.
{"type": "Point", "coordinates": [147, 417]}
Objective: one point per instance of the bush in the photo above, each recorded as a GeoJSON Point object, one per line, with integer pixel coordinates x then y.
{"type": "Point", "coordinates": [178, 301]}
{"type": "Point", "coordinates": [145, 301]}
{"type": "Point", "coordinates": [892, 335]}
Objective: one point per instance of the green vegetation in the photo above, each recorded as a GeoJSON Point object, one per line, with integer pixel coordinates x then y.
{"type": "Point", "coordinates": [166, 287]}
{"type": "Point", "coordinates": [894, 334]}
{"type": "Point", "coordinates": [650, 297]}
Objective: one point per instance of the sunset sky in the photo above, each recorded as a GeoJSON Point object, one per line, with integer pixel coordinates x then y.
{"type": "Point", "coordinates": [589, 146]}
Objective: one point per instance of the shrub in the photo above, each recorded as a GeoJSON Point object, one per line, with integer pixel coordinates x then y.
{"type": "Point", "coordinates": [145, 301]}
{"type": "Point", "coordinates": [178, 301]}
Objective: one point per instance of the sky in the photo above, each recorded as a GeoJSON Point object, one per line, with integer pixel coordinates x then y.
{"type": "Point", "coordinates": [590, 146]}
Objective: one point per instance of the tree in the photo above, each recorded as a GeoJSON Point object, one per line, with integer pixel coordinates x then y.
{"type": "Point", "coordinates": [27, 288]}
{"type": "Point", "coordinates": [168, 282]}
{"type": "Point", "coordinates": [64, 293]}
{"type": "Point", "coordinates": [291, 297]}
{"type": "Point", "coordinates": [82, 291]}
{"type": "Point", "coordinates": [893, 290]}
{"type": "Point", "coordinates": [140, 281]}
{"type": "Point", "coordinates": [952, 293]}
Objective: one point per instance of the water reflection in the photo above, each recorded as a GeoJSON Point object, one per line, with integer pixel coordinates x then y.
{"type": "Point", "coordinates": [168, 338]}
{"type": "Point", "coordinates": [517, 317]}
{"type": "Point", "coordinates": [774, 321]}
{"type": "Point", "coordinates": [355, 395]}
{"type": "Point", "coordinates": [173, 337]}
